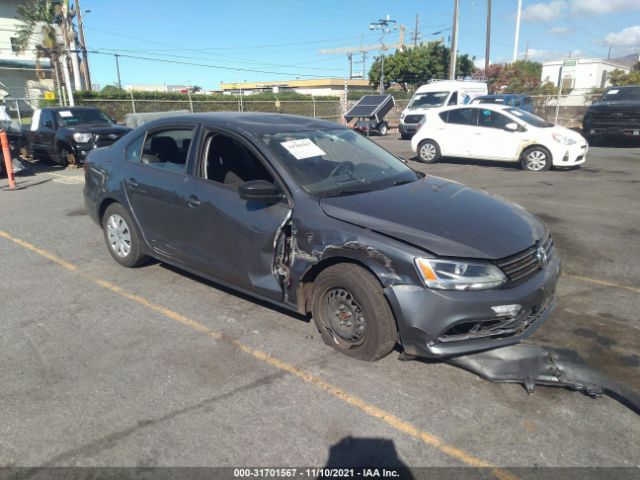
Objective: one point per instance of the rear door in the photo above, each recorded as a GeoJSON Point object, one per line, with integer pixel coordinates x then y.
{"type": "Point", "coordinates": [457, 135]}
{"type": "Point", "coordinates": [233, 239]}
{"type": "Point", "coordinates": [154, 176]}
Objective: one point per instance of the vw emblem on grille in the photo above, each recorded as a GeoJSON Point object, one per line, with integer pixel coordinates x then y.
{"type": "Point", "coordinates": [541, 256]}
{"type": "Point", "coordinates": [112, 136]}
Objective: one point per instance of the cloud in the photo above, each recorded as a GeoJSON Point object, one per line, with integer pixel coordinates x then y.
{"type": "Point", "coordinates": [544, 11]}
{"type": "Point", "coordinates": [542, 55]}
{"type": "Point", "coordinates": [559, 30]}
{"type": "Point", "coordinates": [554, 9]}
{"type": "Point", "coordinates": [599, 7]}
{"type": "Point", "coordinates": [627, 38]}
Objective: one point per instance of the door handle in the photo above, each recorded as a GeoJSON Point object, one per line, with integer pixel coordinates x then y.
{"type": "Point", "coordinates": [193, 201]}
{"type": "Point", "coordinates": [133, 182]}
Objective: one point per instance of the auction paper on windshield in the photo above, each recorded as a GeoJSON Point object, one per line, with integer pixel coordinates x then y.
{"type": "Point", "coordinates": [303, 148]}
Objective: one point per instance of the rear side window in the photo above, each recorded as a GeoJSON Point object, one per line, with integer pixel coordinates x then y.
{"type": "Point", "coordinates": [167, 149]}
{"type": "Point", "coordinates": [134, 150]}
{"type": "Point", "coordinates": [461, 116]}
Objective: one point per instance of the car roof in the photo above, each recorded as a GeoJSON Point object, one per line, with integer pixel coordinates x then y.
{"type": "Point", "coordinates": [254, 122]}
{"type": "Point", "coordinates": [484, 106]}
{"type": "Point", "coordinates": [58, 109]}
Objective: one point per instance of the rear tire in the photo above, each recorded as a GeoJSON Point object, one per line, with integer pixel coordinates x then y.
{"type": "Point", "coordinates": [352, 314]}
{"type": "Point", "coordinates": [536, 159]}
{"type": "Point", "coordinates": [121, 235]}
{"type": "Point", "coordinates": [428, 151]}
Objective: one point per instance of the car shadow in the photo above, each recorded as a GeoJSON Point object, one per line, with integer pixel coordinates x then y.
{"type": "Point", "coordinates": [235, 293]}
{"type": "Point", "coordinates": [509, 166]}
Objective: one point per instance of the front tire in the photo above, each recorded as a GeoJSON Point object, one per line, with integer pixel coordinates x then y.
{"type": "Point", "coordinates": [122, 237]}
{"type": "Point", "coordinates": [352, 314]}
{"type": "Point", "coordinates": [536, 159]}
{"type": "Point", "coordinates": [428, 151]}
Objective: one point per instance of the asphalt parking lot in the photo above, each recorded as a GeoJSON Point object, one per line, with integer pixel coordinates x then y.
{"type": "Point", "coordinates": [105, 366]}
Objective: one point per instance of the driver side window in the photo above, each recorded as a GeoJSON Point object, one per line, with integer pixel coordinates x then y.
{"type": "Point", "coordinates": [229, 162]}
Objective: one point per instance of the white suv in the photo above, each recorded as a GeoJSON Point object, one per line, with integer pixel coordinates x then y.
{"type": "Point", "coordinates": [497, 132]}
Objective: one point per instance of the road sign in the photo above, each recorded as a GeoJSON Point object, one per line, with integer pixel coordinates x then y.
{"type": "Point", "coordinates": [569, 63]}
{"type": "Point", "coordinates": [49, 95]}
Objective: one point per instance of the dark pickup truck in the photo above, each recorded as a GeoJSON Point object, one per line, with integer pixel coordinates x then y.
{"type": "Point", "coordinates": [615, 114]}
{"type": "Point", "coordinates": [66, 134]}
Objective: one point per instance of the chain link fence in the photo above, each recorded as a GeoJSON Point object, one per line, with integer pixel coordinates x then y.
{"type": "Point", "coordinates": [118, 109]}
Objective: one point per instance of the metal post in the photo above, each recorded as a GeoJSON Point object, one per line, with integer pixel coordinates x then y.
{"type": "Point", "coordinates": [454, 42]}
{"type": "Point", "coordinates": [133, 103]}
{"type": "Point", "coordinates": [83, 46]}
{"type": "Point", "coordinates": [350, 57]}
{"type": "Point", "coordinates": [314, 106]}
{"type": "Point", "coordinates": [382, 74]}
{"type": "Point", "coordinates": [18, 111]}
{"type": "Point", "coordinates": [487, 51]}
{"type": "Point", "coordinates": [517, 36]}
{"type": "Point", "coordinates": [558, 98]}
{"type": "Point", "coordinates": [190, 100]}
{"type": "Point", "coordinates": [118, 70]}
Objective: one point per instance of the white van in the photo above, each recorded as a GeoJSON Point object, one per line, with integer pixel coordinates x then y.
{"type": "Point", "coordinates": [437, 94]}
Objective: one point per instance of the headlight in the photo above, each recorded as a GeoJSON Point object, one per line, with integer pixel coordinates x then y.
{"type": "Point", "coordinates": [402, 116]}
{"type": "Point", "coordinates": [82, 137]}
{"type": "Point", "coordinates": [562, 139]}
{"type": "Point", "coordinates": [459, 274]}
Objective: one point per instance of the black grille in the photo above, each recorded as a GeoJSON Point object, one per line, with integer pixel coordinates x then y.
{"type": "Point", "coordinates": [523, 265]}
{"type": "Point", "coordinates": [413, 118]}
{"type": "Point", "coordinates": [617, 117]}
{"type": "Point", "coordinates": [106, 139]}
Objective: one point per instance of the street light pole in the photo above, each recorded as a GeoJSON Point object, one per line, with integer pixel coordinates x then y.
{"type": "Point", "coordinates": [83, 46]}
{"type": "Point", "coordinates": [517, 36]}
{"type": "Point", "coordinates": [384, 26]}
{"type": "Point", "coordinates": [454, 42]}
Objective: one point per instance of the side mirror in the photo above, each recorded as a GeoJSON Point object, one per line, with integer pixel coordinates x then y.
{"type": "Point", "coordinates": [261, 191]}
{"type": "Point", "coordinates": [511, 127]}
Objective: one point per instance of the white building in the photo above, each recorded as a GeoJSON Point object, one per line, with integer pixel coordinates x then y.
{"type": "Point", "coordinates": [157, 88]}
{"type": "Point", "coordinates": [580, 75]}
{"type": "Point", "coordinates": [18, 71]}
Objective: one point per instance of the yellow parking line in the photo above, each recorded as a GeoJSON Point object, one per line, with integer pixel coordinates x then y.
{"type": "Point", "coordinates": [604, 283]}
{"type": "Point", "coordinates": [365, 407]}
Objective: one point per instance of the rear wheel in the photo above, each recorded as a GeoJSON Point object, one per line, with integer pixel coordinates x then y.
{"type": "Point", "coordinates": [122, 237]}
{"type": "Point", "coordinates": [536, 159]}
{"type": "Point", "coordinates": [428, 151]}
{"type": "Point", "coordinates": [351, 313]}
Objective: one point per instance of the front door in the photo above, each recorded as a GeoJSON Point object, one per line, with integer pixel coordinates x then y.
{"type": "Point", "coordinates": [491, 140]}
{"type": "Point", "coordinates": [233, 239]}
{"type": "Point", "coordinates": [154, 175]}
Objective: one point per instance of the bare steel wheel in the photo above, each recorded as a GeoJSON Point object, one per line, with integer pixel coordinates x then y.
{"type": "Point", "coordinates": [536, 159]}
{"type": "Point", "coordinates": [345, 316]}
{"type": "Point", "coordinates": [351, 312]}
{"type": "Point", "coordinates": [122, 237]}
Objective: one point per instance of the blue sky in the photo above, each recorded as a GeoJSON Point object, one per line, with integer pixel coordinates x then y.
{"type": "Point", "coordinates": [281, 38]}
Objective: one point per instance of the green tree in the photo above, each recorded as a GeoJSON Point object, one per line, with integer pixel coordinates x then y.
{"type": "Point", "coordinates": [416, 66]}
{"type": "Point", "coordinates": [619, 78]}
{"type": "Point", "coordinates": [38, 19]}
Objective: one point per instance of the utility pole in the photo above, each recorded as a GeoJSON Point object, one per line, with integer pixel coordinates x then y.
{"type": "Point", "coordinates": [516, 39]}
{"type": "Point", "coordinates": [118, 70]}
{"type": "Point", "coordinates": [384, 26]}
{"type": "Point", "coordinates": [350, 57]}
{"type": "Point", "coordinates": [416, 33]}
{"type": "Point", "coordinates": [526, 52]}
{"type": "Point", "coordinates": [83, 46]}
{"type": "Point", "coordinates": [487, 50]}
{"type": "Point", "coordinates": [454, 42]}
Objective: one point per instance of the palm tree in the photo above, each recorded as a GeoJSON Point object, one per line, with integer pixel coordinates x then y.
{"type": "Point", "coordinates": [40, 19]}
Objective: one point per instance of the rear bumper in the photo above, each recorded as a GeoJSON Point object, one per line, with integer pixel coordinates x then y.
{"type": "Point", "coordinates": [442, 323]}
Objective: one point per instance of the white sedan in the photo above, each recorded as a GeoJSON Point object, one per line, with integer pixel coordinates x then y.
{"type": "Point", "coordinates": [498, 132]}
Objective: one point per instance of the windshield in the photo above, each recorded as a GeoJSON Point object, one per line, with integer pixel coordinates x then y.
{"type": "Point", "coordinates": [621, 94]}
{"type": "Point", "coordinates": [337, 161]}
{"type": "Point", "coordinates": [67, 118]}
{"type": "Point", "coordinates": [428, 100]}
{"type": "Point", "coordinates": [529, 118]}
